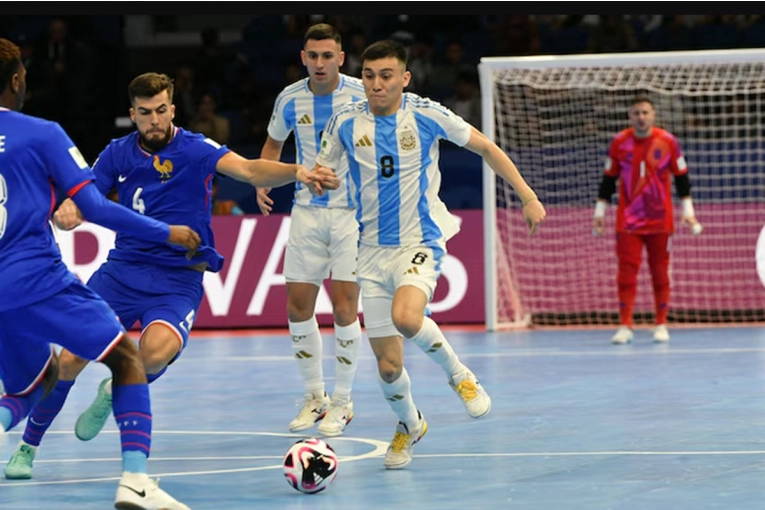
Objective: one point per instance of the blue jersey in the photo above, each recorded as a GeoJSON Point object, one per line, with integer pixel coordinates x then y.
{"type": "Point", "coordinates": [300, 110]}
{"type": "Point", "coordinates": [173, 185]}
{"type": "Point", "coordinates": [35, 156]}
{"type": "Point", "coordinates": [393, 162]}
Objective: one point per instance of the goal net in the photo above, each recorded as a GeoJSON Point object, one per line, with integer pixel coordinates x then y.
{"type": "Point", "coordinates": [555, 117]}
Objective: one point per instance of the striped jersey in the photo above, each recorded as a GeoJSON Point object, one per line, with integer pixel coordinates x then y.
{"type": "Point", "coordinates": [300, 110]}
{"type": "Point", "coordinates": [393, 163]}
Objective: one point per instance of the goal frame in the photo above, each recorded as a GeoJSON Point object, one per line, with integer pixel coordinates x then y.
{"type": "Point", "coordinates": [485, 68]}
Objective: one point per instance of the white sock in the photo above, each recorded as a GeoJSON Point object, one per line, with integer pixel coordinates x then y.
{"type": "Point", "coordinates": [399, 397]}
{"type": "Point", "coordinates": [433, 342]}
{"type": "Point", "coordinates": [307, 346]}
{"type": "Point", "coordinates": [347, 347]}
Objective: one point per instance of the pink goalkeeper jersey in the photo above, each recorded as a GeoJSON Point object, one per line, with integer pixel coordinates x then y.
{"type": "Point", "coordinates": [643, 166]}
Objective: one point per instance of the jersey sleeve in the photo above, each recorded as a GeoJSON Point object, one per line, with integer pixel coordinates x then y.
{"type": "Point", "coordinates": [453, 127]}
{"type": "Point", "coordinates": [678, 165]}
{"type": "Point", "coordinates": [66, 166]}
{"type": "Point", "coordinates": [105, 171]}
{"type": "Point", "coordinates": [331, 152]}
{"type": "Point", "coordinates": [282, 118]}
{"type": "Point", "coordinates": [610, 165]}
{"type": "Point", "coordinates": [208, 152]}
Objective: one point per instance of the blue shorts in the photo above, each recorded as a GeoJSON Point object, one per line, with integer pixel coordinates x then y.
{"type": "Point", "coordinates": [76, 318]}
{"type": "Point", "coordinates": [148, 294]}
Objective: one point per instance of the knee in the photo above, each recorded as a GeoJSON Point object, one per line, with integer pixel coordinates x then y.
{"type": "Point", "coordinates": [124, 361]}
{"type": "Point", "coordinates": [345, 312]}
{"type": "Point", "coordinates": [298, 309]}
{"type": "Point", "coordinates": [154, 362]}
{"type": "Point", "coordinates": [70, 365]}
{"type": "Point", "coordinates": [389, 370]}
{"type": "Point", "coordinates": [407, 321]}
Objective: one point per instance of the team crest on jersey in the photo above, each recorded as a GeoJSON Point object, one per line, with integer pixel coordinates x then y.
{"type": "Point", "coordinates": [657, 154]}
{"type": "Point", "coordinates": [407, 140]}
{"type": "Point", "coordinates": [164, 168]}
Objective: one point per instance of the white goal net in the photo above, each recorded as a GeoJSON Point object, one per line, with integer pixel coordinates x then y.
{"type": "Point", "coordinates": [555, 117]}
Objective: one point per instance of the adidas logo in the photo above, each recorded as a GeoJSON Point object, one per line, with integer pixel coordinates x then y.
{"type": "Point", "coordinates": [412, 270]}
{"type": "Point", "coordinates": [363, 142]}
{"type": "Point", "coordinates": [305, 119]}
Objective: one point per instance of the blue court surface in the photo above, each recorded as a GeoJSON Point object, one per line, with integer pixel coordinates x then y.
{"type": "Point", "coordinates": [576, 423]}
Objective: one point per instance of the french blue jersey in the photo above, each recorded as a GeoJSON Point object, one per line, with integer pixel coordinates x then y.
{"type": "Point", "coordinates": [393, 163]}
{"type": "Point", "coordinates": [35, 156]}
{"type": "Point", "coordinates": [173, 185]}
{"type": "Point", "coordinates": [300, 110]}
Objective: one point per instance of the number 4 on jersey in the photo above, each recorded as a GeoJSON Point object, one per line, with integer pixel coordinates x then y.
{"type": "Point", "coordinates": [138, 204]}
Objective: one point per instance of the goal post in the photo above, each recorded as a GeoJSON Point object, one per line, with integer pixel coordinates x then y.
{"type": "Point", "coordinates": [555, 117]}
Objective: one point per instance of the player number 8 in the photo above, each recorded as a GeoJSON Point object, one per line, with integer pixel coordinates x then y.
{"type": "Point", "coordinates": [419, 258]}
{"type": "Point", "coordinates": [386, 166]}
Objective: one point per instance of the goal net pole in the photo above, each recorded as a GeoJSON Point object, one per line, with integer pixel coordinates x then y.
{"type": "Point", "coordinates": [512, 263]}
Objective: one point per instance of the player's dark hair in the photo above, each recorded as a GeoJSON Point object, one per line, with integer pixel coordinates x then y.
{"type": "Point", "coordinates": [321, 32]}
{"type": "Point", "coordinates": [641, 99]}
{"type": "Point", "coordinates": [385, 49]}
{"type": "Point", "coordinates": [10, 62]}
{"type": "Point", "coordinates": [149, 85]}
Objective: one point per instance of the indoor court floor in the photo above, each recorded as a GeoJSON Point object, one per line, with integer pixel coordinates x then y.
{"type": "Point", "coordinates": [576, 423]}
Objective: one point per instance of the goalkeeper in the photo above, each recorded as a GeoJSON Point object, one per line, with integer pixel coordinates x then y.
{"type": "Point", "coordinates": [642, 157]}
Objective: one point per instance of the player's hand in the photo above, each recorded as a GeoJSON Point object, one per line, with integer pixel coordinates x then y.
{"type": "Point", "coordinates": [68, 215]}
{"type": "Point", "coordinates": [264, 201]}
{"type": "Point", "coordinates": [534, 213]}
{"type": "Point", "coordinates": [186, 237]}
{"type": "Point", "coordinates": [318, 179]}
{"type": "Point", "coordinates": [694, 224]}
{"type": "Point", "coordinates": [598, 226]}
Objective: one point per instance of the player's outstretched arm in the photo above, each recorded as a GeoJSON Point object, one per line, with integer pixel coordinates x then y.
{"type": "Point", "coordinates": [98, 209]}
{"type": "Point", "coordinates": [533, 210]}
{"type": "Point", "coordinates": [270, 174]}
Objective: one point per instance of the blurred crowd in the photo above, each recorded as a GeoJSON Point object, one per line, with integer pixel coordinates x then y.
{"type": "Point", "coordinates": [79, 66]}
{"type": "Point", "coordinates": [227, 90]}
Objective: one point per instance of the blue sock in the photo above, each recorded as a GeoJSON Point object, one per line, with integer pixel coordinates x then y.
{"type": "Point", "coordinates": [132, 412]}
{"type": "Point", "coordinates": [43, 414]}
{"type": "Point", "coordinates": [14, 409]}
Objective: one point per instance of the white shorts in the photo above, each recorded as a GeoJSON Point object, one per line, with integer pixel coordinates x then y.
{"type": "Point", "coordinates": [383, 269]}
{"type": "Point", "coordinates": [321, 240]}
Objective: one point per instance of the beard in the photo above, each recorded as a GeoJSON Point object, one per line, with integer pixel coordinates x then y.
{"type": "Point", "coordinates": [155, 144]}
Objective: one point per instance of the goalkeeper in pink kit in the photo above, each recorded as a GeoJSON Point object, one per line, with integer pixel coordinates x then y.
{"type": "Point", "coordinates": [642, 158]}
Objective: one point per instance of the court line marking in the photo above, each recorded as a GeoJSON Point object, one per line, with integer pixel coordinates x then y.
{"type": "Point", "coordinates": [526, 353]}
{"type": "Point", "coordinates": [380, 447]}
{"type": "Point", "coordinates": [591, 454]}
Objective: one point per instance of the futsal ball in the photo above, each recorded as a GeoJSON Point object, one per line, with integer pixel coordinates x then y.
{"type": "Point", "coordinates": [310, 465]}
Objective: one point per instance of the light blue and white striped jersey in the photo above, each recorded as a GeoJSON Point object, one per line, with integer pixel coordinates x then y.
{"type": "Point", "coordinates": [300, 110]}
{"type": "Point", "coordinates": [393, 163]}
